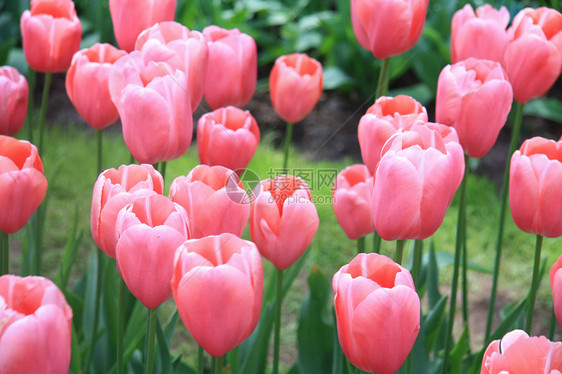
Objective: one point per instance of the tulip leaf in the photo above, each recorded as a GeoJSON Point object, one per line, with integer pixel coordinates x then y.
{"type": "Point", "coordinates": [75, 359]}
{"type": "Point", "coordinates": [548, 108]}
{"type": "Point", "coordinates": [458, 352]}
{"type": "Point", "coordinates": [254, 350]}
{"type": "Point", "coordinates": [446, 259]}
{"type": "Point", "coordinates": [432, 274]}
{"type": "Point", "coordinates": [163, 359]}
{"type": "Point", "coordinates": [69, 254]}
{"type": "Point", "coordinates": [334, 77]}
{"type": "Point", "coordinates": [433, 320]}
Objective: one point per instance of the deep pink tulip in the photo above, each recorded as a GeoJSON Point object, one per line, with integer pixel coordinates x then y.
{"type": "Point", "coordinates": [482, 35]}
{"type": "Point", "coordinates": [283, 219]}
{"type": "Point", "coordinates": [228, 137]}
{"type": "Point", "coordinates": [233, 67]}
{"type": "Point", "coordinates": [131, 17]}
{"type": "Point", "coordinates": [218, 284]}
{"type": "Point", "coordinates": [215, 200]}
{"type": "Point", "coordinates": [387, 116]}
{"type": "Point", "coordinates": [415, 181]}
{"type": "Point", "coordinates": [377, 312]}
{"type": "Point", "coordinates": [352, 201]}
{"type": "Point", "coordinates": [112, 192]}
{"type": "Point", "coordinates": [22, 183]}
{"type": "Point", "coordinates": [149, 230]}
{"type": "Point", "coordinates": [519, 353]}
{"type": "Point", "coordinates": [295, 86]}
{"type": "Point", "coordinates": [388, 28]}
{"type": "Point", "coordinates": [533, 58]}
{"type": "Point", "coordinates": [87, 84]}
{"type": "Point", "coordinates": [51, 34]}
{"type": "Point", "coordinates": [535, 196]}
{"type": "Point", "coordinates": [14, 96]}
{"type": "Point", "coordinates": [474, 96]}
{"type": "Point", "coordinates": [556, 287]}
{"type": "Point", "coordinates": [36, 325]}
{"type": "Point", "coordinates": [182, 49]}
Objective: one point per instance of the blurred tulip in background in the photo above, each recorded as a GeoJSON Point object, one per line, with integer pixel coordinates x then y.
{"type": "Point", "coordinates": [14, 96]}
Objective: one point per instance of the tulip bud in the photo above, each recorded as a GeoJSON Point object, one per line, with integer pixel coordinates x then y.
{"type": "Point", "coordinates": [14, 96]}
{"type": "Point", "coordinates": [556, 287]}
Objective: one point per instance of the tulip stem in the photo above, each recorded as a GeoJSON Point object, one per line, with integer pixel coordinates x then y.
{"type": "Point", "coordinates": [121, 326]}
{"type": "Point", "coordinates": [43, 110]}
{"type": "Point", "coordinates": [28, 120]}
{"type": "Point", "coordinates": [150, 336]}
{"type": "Point", "coordinates": [418, 251]}
{"type": "Point", "coordinates": [5, 253]}
{"type": "Point", "coordinates": [382, 86]}
{"type": "Point", "coordinates": [287, 145]}
{"type": "Point", "coordinates": [399, 251]}
{"type": "Point", "coordinates": [99, 136]}
{"type": "Point", "coordinates": [277, 336]}
{"type": "Point", "coordinates": [534, 284]}
{"type": "Point", "coordinates": [200, 360]}
{"type": "Point", "coordinates": [100, 267]}
{"type": "Point", "coordinates": [361, 245]}
{"type": "Point", "coordinates": [503, 206]}
{"type": "Point", "coordinates": [552, 326]}
{"type": "Point", "coordinates": [219, 364]}
{"type": "Point", "coordinates": [376, 242]}
{"type": "Point", "coordinates": [464, 252]}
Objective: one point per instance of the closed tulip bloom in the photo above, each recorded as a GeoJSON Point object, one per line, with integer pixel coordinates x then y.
{"type": "Point", "coordinates": [22, 183]}
{"type": "Point", "coordinates": [182, 49]}
{"type": "Point", "coordinates": [228, 137]}
{"type": "Point", "coordinates": [519, 353]}
{"type": "Point", "coordinates": [131, 17]}
{"type": "Point", "coordinates": [283, 219]}
{"type": "Point", "coordinates": [556, 287]}
{"type": "Point", "coordinates": [388, 28]}
{"type": "Point", "coordinates": [113, 190]}
{"type": "Point", "coordinates": [352, 201]}
{"type": "Point", "coordinates": [383, 119]}
{"type": "Point", "coordinates": [474, 96]}
{"type": "Point", "coordinates": [218, 285]}
{"type": "Point", "coordinates": [215, 200]}
{"type": "Point", "coordinates": [51, 34]}
{"type": "Point", "coordinates": [149, 230]}
{"type": "Point", "coordinates": [36, 326]}
{"type": "Point", "coordinates": [535, 196]}
{"type": "Point", "coordinates": [87, 84]}
{"type": "Point", "coordinates": [295, 86]}
{"type": "Point", "coordinates": [14, 96]}
{"type": "Point", "coordinates": [482, 35]}
{"type": "Point", "coordinates": [377, 312]}
{"type": "Point", "coordinates": [233, 67]}
{"type": "Point", "coordinates": [533, 58]}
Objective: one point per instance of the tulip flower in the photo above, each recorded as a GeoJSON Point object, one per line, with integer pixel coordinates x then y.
{"type": "Point", "coordinates": [182, 49]}
{"type": "Point", "coordinates": [474, 96]}
{"type": "Point", "coordinates": [112, 192]}
{"type": "Point", "coordinates": [387, 116]}
{"type": "Point", "coordinates": [22, 183]}
{"type": "Point", "coordinates": [217, 284]}
{"type": "Point", "coordinates": [295, 86]}
{"type": "Point", "coordinates": [535, 197]}
{"type": "Point", "coordinates": [377, 312]}
{"type": "Point", "coordinates": [87, 84]}
{"type": "Point", "coordinates": [228, 137]}
{"type": "Point", "coordinates": [388, 28]}
{"type": "Point", "coordinates": [283, 219]}
{"type": "Point", "coordinates": [415, 181]}
{"type": "Point", "coordinates": [36, 326]}
{"type": "Point", "coordinates": [518, 352]}
{"type": "Point", "coordinates": [14, 95]}
{"type": "Point", "coordinates": [214, 199]}
{"type": "Point", "coordinates": [482, 35]}
{"type": "Point", "coordinates": [352, 201]}
{"type": "Point", "coordinates": [51, 34]}
{"type": "Point", "coordinates": [232, 71]}
{"type": "Point", "coordinates": [533, 58]}
{"type": "Point", "coordinates": [556, 287]}
{"type": "Point", "coordinates": [131, 17]}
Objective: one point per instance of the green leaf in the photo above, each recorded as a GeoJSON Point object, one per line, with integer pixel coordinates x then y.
{"type": "Point", "coordinates": [75, 359]}
{"type": "Point", "coordinates": [163, 359]}
{"type": "Point", "coordinates": [432, 275]}
{"type": "Point", "coordinates": [549, 108]}
{"type": "Point", "coordinates": [334, 77]}
{"type": "Point", "coordinates": [69, 254]}
{"type": "Point", "coordinates": [254, 350]}
{"type": "Point", "coordinates": [446, 259]}
{"type": "Point", "coordinates": [419, 91]}
{"type": "Point", "coordinates": [458, 352]}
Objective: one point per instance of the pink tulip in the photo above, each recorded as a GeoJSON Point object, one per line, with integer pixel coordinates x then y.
{"type": "Point", "coordinates": [182, 49]}
{"type": "Point", "coordinates": [283, 219]}
{"type": "Point", "coordinates": [535, 197]}
{"type": "Point", "coordinates": [149, 230]}
{"type": "Point", "coordinates": [218, 284]}
{"type": "Point", "coordinates": [415, 181]}
{"type": "Point", "coordinates": [387, 116]}
{"type": "Point", "coordinates": [377, 312]}
{"type": "Point", "coordinates": [295, 86]}
{"type": "Point", "coordinates": [533, 58]}
{"type": "Point", "coordinates": [388, 28]}
{"type": "Point", "coordinates": [112, 191]}
{"type": "Point", "coordinates": [36, 325]}
{"type": "Point", "coordinates": [233, 67]}
{"type": "Point", "coordinates": [22, 183]}
{"type": "Point", "coordinates": [519, 353]}
{"type": "Point", "coordinates": [51, 34]}
{"type": "Point", "coordinates": [228, 137]}
{"type": "Point", "coordinates": [352, 201]}
{"type": "Point", "coordinates": [556, 287]}
{"type": "Point", "coordinates": [482, 35]}
{"type": "Point", "coordinates": [14, 95]}
{"type": "Point", "coordinates": [474, 96]}
{"type": "Point", "coordinates": [131, 17]}
{"type": "Point", "coordinates": [87, 84]}
{"type": "Point", "coordinates": [215, 201]}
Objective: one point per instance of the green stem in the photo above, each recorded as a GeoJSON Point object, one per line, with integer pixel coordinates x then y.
{"type": "Point", "coordinates": [534, 284]}
{"type": "Point", "coordinates": [121, 327]}
{"type": "Point", "coordinates": [552, 327]}
{"type": "Point", "coordinates": [28, 119]}
{"type": "Point", "coordinates": [38, 222]}
{"type": "Point", "coordinates": [464, 253]}
{"type": "Point", "coordinates": [287, 145]}
{"type": "Point", "coordinates": [399, 251]}
{"type": "Point", "coordinates": [132, 159]}
{"type": "Point", "coordinates": [376, 243]}
{"type": "Point", "coordinates": [418, 251]}
{"type": "Point", "coordinates": [503, 207]}
{"type": "Point", "coordinates": [100, 269]}
{"type": "Point", "coordinates": [163, 170]}
{"type": "Point", "coordinates": [200, 360]}
{"type": "Point", "coordinates": [382, 86]}
{"type": "Point", "coordinates": [5, 253]}
{"type": "Point", "coordinates": [219, 365]}
{"type": "Point", "coordinates": [277, 321]}
{"type": "Point", "coordinates": [99, 137]}
{"type": "Point", "coordinates": [150, 335]}
{"type": "Point", "coordinates": [361, 245]}
{"type": "Point", "coordinates": [43, 112]}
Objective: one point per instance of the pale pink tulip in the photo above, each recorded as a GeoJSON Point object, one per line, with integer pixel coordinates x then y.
{"type": "Point", "coordinates": [556, 287]}
{"type": "Point", "coordinates": [14, 96]}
